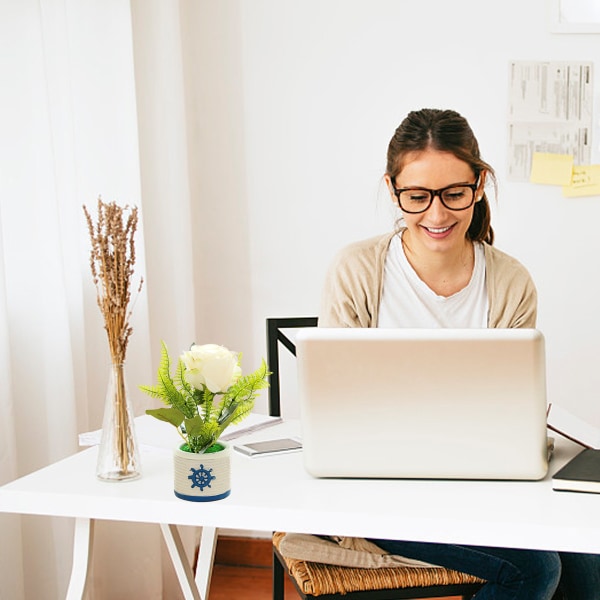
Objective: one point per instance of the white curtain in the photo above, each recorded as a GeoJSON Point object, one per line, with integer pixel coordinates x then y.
{"type": "Point", "coordinates": [69, 133]}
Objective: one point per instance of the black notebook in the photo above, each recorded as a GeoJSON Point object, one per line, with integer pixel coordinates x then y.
{"type": "Point", "coordinates": [580, 474]}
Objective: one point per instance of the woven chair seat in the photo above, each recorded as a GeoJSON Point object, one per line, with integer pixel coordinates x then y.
{"type": "Point", "coordinates": [318, 579]}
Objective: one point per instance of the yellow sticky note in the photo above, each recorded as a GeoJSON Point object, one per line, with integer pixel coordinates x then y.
{"type": "Point", "coordinates": [586, 175]}
{"type": "Point", "coordinates": [552, 169]}
{"type": "Point", "coordinates": [585, 182]}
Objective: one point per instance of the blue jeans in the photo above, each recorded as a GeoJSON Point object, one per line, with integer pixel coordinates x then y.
{"type": "Point", "coordinates": [512, 574]}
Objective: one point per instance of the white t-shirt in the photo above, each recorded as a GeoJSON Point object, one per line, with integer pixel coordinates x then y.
{"type": "Point", "coordinates": [407, 301]}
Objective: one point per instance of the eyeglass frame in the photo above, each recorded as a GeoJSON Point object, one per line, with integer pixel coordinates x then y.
{"type": "Point", "coordinates": [434, 193]}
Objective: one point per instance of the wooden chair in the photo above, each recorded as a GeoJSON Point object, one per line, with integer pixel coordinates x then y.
{"type": "Point", "coordinates": [326, 582]}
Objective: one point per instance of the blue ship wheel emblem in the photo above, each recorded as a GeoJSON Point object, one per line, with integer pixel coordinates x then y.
{"type": "Point", "coordinates": [201, 477]}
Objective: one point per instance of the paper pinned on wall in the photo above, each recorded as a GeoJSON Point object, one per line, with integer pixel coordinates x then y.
{"type": "Point", "coordinates": [585, 181]}
{"type": "Point", "coordinates": [551, 169]}
{"type": "Point", "coordinates": [550, 110]}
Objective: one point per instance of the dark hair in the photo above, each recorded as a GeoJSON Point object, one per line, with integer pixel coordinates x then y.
{"type": "Point", "coordinates": [447, 131]}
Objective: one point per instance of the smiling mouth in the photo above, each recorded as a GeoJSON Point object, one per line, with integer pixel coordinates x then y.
{"type": "Point", "coordinates": [438, 229]}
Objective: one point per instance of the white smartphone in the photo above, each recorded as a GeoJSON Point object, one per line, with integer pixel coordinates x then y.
{"type": "Point", "coordinates": [278, 446]}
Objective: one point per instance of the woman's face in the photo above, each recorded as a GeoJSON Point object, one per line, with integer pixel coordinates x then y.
{"type": "Point", "coordinates": [438, 229]}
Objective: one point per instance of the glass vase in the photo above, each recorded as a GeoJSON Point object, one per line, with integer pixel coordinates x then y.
{"type": "Point", "coordinates": [118, 454]}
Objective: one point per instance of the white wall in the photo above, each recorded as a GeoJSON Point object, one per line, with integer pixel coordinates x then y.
{"type": "Point", "coordinates": [326, 82]}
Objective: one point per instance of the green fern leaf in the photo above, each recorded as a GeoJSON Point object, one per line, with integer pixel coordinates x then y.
{"type": "Point", "coordinates": [247, 386]}
{"type": "Point", "coordinates": [154, 390]}
{"type": "Point", "coordinates": [181, 382]}
{"type": "Point", "coordinates": [235, 412]}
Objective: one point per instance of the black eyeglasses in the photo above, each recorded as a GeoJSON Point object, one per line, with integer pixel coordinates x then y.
{"type": "Point", "coordinates": [458, 196]}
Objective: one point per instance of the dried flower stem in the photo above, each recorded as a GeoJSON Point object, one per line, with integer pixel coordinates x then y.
{"type": "Point", "coordinates": [123, 444]}
{"type": "Point", "coordinates": [112, 260]}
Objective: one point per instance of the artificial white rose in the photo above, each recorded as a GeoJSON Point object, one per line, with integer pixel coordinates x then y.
{"type": "Point", "coordinates": [211, 366]}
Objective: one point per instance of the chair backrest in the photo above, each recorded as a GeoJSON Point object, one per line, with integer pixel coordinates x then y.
{"type": "Point", "coordinates": [275, 336]}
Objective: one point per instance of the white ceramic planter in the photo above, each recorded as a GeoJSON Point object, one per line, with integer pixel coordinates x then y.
{"type": "Point", "coordinates": [202, 477]}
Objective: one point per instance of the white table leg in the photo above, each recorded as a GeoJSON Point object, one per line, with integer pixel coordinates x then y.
{"type": "Point", "coordinates": [82, 552]}
{"type": "Point", "coordinates": [206, 557]}
{"type": "Point", "coordinates": [180, 561]}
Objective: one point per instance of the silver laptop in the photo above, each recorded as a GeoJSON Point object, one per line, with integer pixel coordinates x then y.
{"type": "Point", "coordinates": [423, 403]}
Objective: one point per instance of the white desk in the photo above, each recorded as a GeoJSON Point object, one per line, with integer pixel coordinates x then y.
{"type": "Point", "coordinates": [275, 493]}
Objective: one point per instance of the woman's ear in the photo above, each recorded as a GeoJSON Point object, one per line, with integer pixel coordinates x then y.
{"type": "Point", "coordinates": [480, 186]}
{"type": "Point", "coordinates": [390, 186]}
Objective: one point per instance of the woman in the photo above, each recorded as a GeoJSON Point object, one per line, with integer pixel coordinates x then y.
{"type": "Point", "coordinates": [440, 270]}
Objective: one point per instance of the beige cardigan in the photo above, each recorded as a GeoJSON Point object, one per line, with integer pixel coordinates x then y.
{"type": "Point", "coordinates": [354, 284]}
